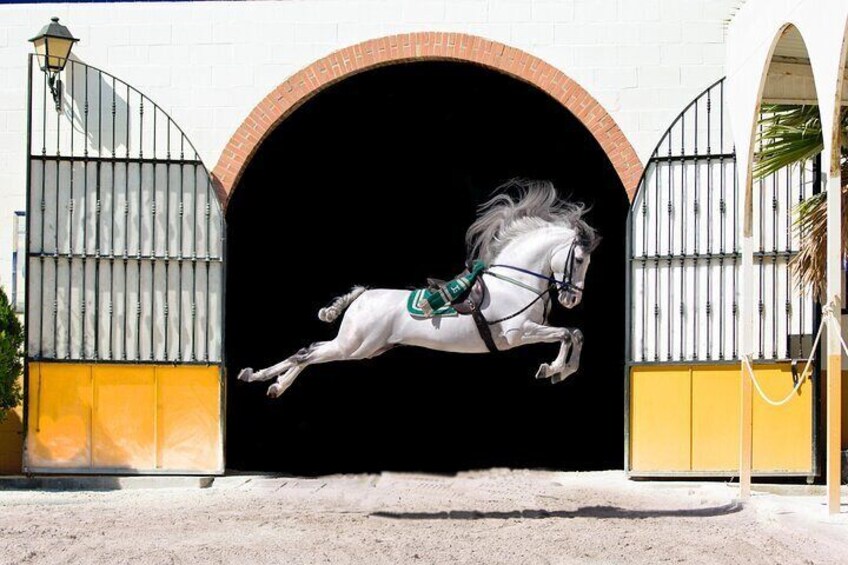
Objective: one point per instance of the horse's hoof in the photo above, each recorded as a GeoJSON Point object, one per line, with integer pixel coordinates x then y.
{"type": "Point", "coordinates": [577, 336]}
{"type": "Point", "coordinates": [246, 374]}
{"type": "Point", "coordinates": [542, 373]}
{"type": "Point", "coordinates": [275, 390]}
{"type": "Point", "coordinates": [561, 376]}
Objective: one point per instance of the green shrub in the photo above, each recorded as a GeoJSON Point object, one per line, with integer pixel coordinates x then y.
{"type": "Point", "coordinates": [11, 356]}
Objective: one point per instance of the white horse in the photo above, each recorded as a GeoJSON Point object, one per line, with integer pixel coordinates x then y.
{"type": "Point", "coordinates": [536, 247]}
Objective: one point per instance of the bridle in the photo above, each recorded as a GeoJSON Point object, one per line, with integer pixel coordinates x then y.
{"type": "Point", "coordinates": [554, 285]}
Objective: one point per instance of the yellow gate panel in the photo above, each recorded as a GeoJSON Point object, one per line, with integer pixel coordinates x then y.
{"type": "Point", "coordinates": [783, 436]}
{"type": "Point", "coordinates": [660, 418]}
{"type": "Point", "coordinates": [59, 426]}
{"type": "Point", "coordinates": [716, 398]}
{"type": "Point", "coordinates": [844, 410]}
{"type": "Point", "coordinates": [121, 417]}
{"type": "Point", "coordinates": [189, 434]}
{"type": "Point", "coordinates": [123, 430]}
{"type": "Point", "coordinates": [11, 442]}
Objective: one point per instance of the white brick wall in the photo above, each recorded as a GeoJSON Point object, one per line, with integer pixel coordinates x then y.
{"type": "Point", "coordinates": [209, 63]}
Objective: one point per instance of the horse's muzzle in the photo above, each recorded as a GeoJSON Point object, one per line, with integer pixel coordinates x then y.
{"type": "Point", "coordinates": [570, 298]}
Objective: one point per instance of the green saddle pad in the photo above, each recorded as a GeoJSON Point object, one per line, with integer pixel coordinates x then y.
{"type": "Point", "coordinates": [431, 303]}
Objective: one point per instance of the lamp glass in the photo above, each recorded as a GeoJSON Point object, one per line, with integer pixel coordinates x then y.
{"type": "Point", "coordinates": [58, 50]}
{"type": "Point", "coordinates": [40, 45]}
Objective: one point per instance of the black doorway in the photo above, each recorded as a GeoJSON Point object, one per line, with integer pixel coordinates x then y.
{"type": "Point", "coordinates": [427, 141]}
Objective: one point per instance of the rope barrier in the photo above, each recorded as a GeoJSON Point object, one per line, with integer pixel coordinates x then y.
{"type": "Point", "coordinates": [828, 316]}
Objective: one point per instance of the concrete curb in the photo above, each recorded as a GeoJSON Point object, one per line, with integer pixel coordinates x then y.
{"type": "Point", "coordinates": [102, 482]}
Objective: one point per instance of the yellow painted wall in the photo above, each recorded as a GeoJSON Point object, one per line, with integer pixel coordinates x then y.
{"type": "Point", "coordinates": [143, 418]}
{"type": "Point", "coordinates": [686, 419]}
{"type": "Point", "coordinates": [11, 442]}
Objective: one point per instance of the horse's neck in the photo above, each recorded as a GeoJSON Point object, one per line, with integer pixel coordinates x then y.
{"type": "Point", "coordinates": [532, 251]}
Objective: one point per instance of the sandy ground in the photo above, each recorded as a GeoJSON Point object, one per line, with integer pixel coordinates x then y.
{"type": "Point", "coordinates": [494, 516]}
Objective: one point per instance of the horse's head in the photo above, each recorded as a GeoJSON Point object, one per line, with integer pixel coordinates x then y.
{"type": "Point", "coordinates": [569, 264]}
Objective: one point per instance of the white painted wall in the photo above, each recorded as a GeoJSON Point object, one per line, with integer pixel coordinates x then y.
{"type": "Point", "coordinates": [209, 63]}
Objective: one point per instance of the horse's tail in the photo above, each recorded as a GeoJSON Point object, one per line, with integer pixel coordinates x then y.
{"type": "Point", "coordinates": [339, 305]}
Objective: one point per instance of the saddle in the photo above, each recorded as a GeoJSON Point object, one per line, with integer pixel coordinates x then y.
{"type": "Point", "coordinates": [459, 296]}
{"type": "Point", "coordinates": [469, 300]}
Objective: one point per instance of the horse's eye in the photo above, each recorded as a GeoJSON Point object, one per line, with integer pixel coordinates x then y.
{"type": "Point", "coordinates": [579, 260]}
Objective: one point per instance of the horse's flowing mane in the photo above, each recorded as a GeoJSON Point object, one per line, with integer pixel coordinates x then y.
{"type": "Point", "coordinates": [535, 205]}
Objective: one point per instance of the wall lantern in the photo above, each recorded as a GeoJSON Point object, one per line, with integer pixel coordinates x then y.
{"type": "Point", "coordinates": [52, 48]}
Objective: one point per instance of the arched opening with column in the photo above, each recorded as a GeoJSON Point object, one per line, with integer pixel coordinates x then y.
{"type": "Point", "coordinates": [428, 138]}
{"type": "Point", "coordinates": [759, 35]}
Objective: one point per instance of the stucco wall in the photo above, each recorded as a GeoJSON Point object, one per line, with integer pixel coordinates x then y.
{"type": "Point", "coordinates": [210, 63]}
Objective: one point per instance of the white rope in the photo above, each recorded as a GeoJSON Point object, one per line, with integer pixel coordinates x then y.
{"type": "Point", "coordinates": [827, 314]}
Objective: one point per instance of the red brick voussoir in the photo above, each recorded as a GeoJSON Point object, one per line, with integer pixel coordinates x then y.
{"type": "Point", "coordinates": [395, 49]}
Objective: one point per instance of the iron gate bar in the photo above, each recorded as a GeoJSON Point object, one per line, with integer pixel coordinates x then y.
{"type": "Point", "coordinates": [696, 216]}
{"type": "Point", "coordinates": [670, 298]}
{"type": "Point", "coordinates": [56, 252]}
{"type": "Point", "coordinates": [166, 299]}
{"type": "Point", "coordinates": [657, 270]}
{"type": "Point", "coordinates": [119, 160]}
{"type": "Point", "coordinates": [140, 213]}
{"type": "Point", "coordinates": [43, 208]}
{"type": "Point", "coordinates": [146, 258]}
{"type": "Point", "coordinates": [735, 246]}
{"type": "Point", "coordinates": [155, 176]}
{"type": "Point", "coordinates": [691, 157]}
{"type": "Point", "coordinates": [70, 231]}
{"type": "Point", "coordinates": [181, 247]}
{"type": "Point", "coordinates": [194, 267]}
{"type": "Point", "coordinates": [109, 347]}
{"type": "Point", "coordinates": [84, 262]}
{"type": "Point", "coordinates": [774, 245]}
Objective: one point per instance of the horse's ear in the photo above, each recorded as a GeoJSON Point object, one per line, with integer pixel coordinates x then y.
{"type": "Point", "coordinates": [596, 241]}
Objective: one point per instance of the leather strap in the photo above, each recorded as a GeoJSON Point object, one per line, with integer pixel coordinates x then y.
{"type": "Point", "coordinates": [484, 328]}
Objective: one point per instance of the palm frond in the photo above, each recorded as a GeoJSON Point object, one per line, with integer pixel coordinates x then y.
{"type": "Point", "coordinates": [810, 224]}
{"type": "Point", "coordinates": [786, 135]}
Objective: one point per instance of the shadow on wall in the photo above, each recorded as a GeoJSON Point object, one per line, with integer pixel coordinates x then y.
{"type": "Point", "coordinates": [93, 96]}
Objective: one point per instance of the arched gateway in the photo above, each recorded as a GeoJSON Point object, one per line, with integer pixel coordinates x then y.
{"type": "Point", "coordinates": [125, 311]}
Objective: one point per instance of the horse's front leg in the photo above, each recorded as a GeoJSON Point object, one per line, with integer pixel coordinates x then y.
{"type": "Point", "coordinates": [571, 341]}
{"type": "Point", "coordinates": [568, 362]}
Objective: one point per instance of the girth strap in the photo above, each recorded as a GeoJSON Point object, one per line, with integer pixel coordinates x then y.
{"type": "Point", "coordinates": [484, 328]}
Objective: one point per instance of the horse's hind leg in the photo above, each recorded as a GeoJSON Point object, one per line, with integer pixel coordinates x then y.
{"type": "Point", "coordinates": [249, 375]}
{"type": "Point", "coordinates": [339, 349]}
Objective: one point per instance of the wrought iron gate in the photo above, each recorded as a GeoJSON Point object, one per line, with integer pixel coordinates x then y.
{"type": "Point", "coordinates": [683, 248]}
{"type": "Point", "coordinates": [124, 285]}
{"type": "Point", "coordinates": [682, 312]}
{"type": "Point", "coordinates": [125, 233]}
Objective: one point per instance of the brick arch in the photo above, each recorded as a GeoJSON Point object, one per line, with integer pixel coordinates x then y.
{"type": "Point", "coordinates": [395, 49]}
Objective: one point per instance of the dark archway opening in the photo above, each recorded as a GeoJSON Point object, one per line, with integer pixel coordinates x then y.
{"type": "Point", "coordinates": [374, 181]}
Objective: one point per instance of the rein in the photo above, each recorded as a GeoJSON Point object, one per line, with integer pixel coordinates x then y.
{"type": "Point", "coordinates": [553, 283]}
